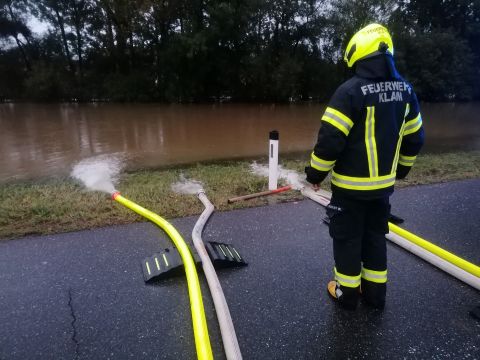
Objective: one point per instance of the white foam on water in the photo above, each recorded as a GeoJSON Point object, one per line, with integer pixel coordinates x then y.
{"type": "Point", "coordinates": [259, 170]}
{"type": "Point", "coordinates": [185, 186]}
{"type": "Point", "coordinates": [99, 173]}
{"type": "Point", "coordinates": [292, 178]}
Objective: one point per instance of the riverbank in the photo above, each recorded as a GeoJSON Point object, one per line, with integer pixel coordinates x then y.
{"type": "Point", "coordinates": [62, 205]}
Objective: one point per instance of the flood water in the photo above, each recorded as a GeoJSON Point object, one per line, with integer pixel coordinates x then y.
{"type": "Point", "coordinates": [48, 139]}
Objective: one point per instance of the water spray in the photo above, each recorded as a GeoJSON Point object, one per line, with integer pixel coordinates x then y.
{"type": "Point", "coordinates": [99, 173]}
{"type": "Point", "coordinates": [273, 172]}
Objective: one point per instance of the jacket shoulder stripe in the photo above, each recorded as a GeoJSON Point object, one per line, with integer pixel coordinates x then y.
{"type": "Point", "coordinates": [337, 119]}
{"type": "Point", "coordinates": [339, 114]}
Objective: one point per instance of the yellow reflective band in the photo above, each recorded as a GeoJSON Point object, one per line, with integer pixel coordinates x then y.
{"type": "Point", "coordinates": [407, 110]}
{"type": "Point", "coordinates": [407, 160]}
{"type": "Point", "coordinates": [413, 125]}
{"type": "Point", "coordinates": [148, 268]}
{"type": "Point", "coordinates": [158, 265]}
{"type": "Point", "coordinates": [346, 280]}
{"type": "Point", "coordinates": [379, 277]}
{"type": "Point", "coordinates": [362, 183]}
{"type": "Point", "coordinates": [337, 119]}
{"type": "Point", "coordinates": [370, 142]}
{"type": "Point", "coordinates": [320, 164]}
{"type": "Point", "coordinates": [397, 151]}
{"type": "Point", "coordinates": [165, 259]}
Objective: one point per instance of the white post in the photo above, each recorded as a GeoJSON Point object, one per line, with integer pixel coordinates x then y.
{"type": "Point", "coordinates": [273, 161]}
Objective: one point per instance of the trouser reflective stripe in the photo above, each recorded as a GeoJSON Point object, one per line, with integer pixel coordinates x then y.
{"type": "Point", "coordinates": [347, 280]}
{"type": "Point", "coordinates": [374, 276]}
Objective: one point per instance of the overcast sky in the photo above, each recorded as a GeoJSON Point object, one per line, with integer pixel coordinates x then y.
{"type": "Point", "coordinates": [37, 26]}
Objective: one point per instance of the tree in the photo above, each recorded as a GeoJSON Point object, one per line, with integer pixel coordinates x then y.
{"type": "Point", "coordinates": [13, 24]}
{"type": "Point", "coordinates": [439, 47]}
{"type": "Point", "coordinates": [241, 50]}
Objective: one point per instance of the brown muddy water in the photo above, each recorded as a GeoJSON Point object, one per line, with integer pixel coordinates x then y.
{"type": "Point", "coordinates": [47, 140]}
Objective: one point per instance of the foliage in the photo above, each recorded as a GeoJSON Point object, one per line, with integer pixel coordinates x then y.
{"type": "Point", "coordinates": [217, 50]}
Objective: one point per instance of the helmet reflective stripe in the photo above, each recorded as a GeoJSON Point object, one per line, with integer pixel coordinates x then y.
{"type": "Point", "coordinates": [337, 119]}
{"type": "Point", "coordinates": [351, 52]}
{"type": "Point", "coordinates": [371, 40]}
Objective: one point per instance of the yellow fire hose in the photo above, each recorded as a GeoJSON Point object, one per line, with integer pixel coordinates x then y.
{"type": "Point", "coordinates": [434, 249]}
{"type": "Point", "coordinates": [200, 330]}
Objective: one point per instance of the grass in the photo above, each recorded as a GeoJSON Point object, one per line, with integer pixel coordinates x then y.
{"type": "Point", "coordinates": [60, 205]}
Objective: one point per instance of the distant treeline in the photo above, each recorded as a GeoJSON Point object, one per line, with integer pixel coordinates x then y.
{"type": "Point", "coordinates": [237, 50]}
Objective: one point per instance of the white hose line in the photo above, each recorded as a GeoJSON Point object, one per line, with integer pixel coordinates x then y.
{"type": "Point", "coordinates": [316, 196]}
{"type": "Point", "coordinates": [322, 197]}
{"type": "Point", "coordinates": [453, 270]}
{"type": "Point", "coordinates": [230, 342]}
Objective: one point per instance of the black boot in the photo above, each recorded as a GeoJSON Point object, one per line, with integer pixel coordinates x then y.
{"type": "Point", "coordinates": [345, 296]}
{"type": "Point", "coordinates": [374, 293]}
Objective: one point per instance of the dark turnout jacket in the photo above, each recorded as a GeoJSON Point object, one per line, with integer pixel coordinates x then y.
{"type": "Point", "coordinates": [371, 132]}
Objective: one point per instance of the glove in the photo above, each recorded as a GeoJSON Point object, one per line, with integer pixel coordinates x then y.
{"type": "Point", "coordinates": [314, 176]}
{"type": "Point", "coordinates": [402, 171]}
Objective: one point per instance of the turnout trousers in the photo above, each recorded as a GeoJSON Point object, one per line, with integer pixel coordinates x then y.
{"type": "Point", "coordinates": [358, 229]}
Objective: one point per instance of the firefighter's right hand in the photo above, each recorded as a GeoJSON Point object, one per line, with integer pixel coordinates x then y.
{"type": "Point", "coordinates": [314, 176]}
{"type": "Point", "coordinates": [402, 171]}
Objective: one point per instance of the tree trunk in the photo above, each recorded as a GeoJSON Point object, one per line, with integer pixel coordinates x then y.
{"type": "Point", "coordinates": [19, 43]}
{"type": "Point", "coordinates": [24, 54]}
{"type": "Point", "coordinates": [78, 32]}
{"type": "Point", "coordinates": [64, 40]}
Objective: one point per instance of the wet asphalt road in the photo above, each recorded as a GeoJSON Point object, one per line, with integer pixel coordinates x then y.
{"type": "Point", "coordinates": [81, 295]}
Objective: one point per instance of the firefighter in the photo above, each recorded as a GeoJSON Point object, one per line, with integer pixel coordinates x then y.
{"type": "Point", "coordinates": [370, 135]}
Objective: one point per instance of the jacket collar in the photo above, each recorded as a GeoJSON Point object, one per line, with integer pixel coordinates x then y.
{"type": "Point", "coordinates": [377, 67]}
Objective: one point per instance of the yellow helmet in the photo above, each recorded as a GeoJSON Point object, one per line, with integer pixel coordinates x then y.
{"type": "Point", "coordinates": [373, 39]}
